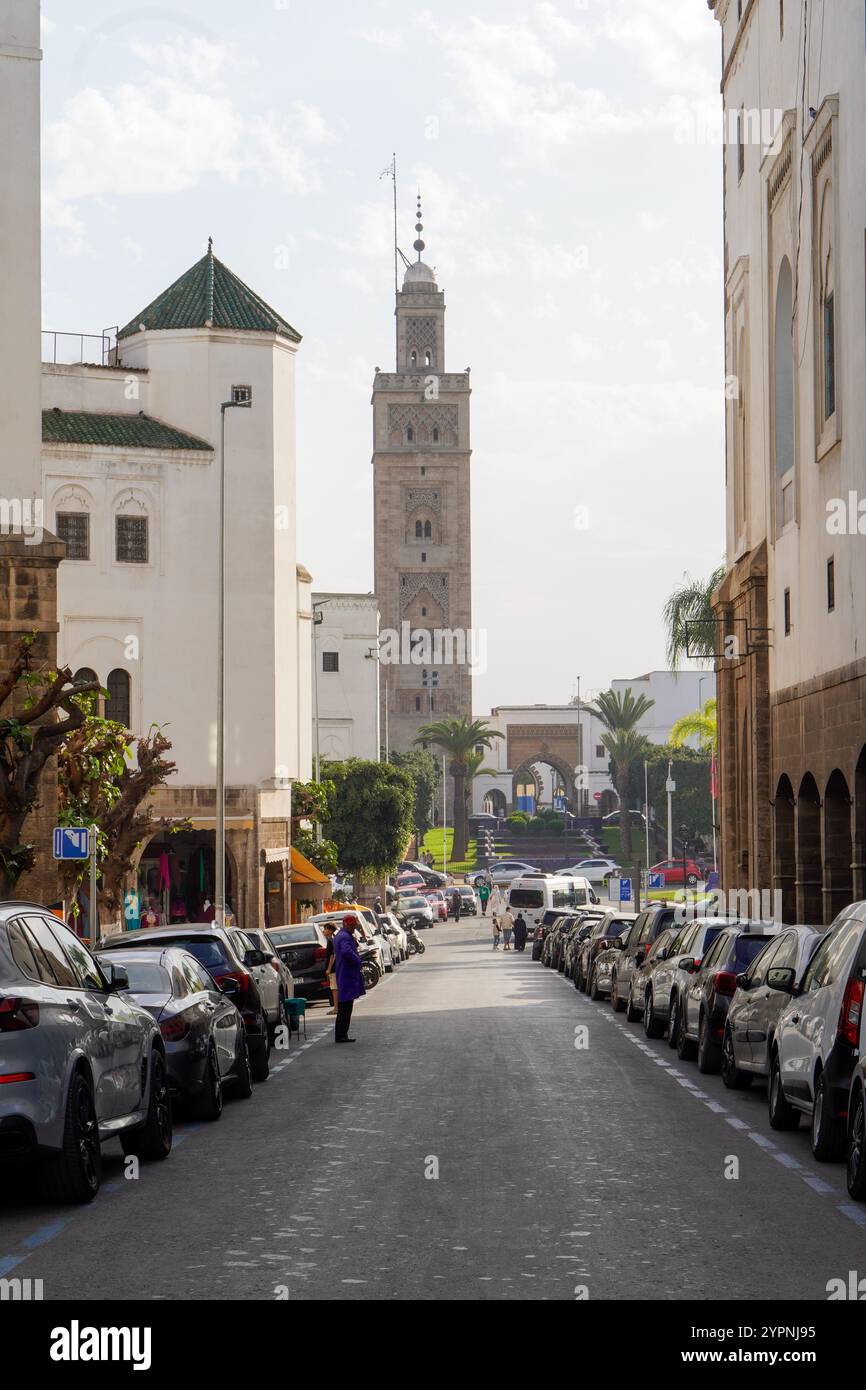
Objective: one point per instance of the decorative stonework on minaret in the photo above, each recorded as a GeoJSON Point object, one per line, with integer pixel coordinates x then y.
{"type": "Point", "coordinates": [423, 562]}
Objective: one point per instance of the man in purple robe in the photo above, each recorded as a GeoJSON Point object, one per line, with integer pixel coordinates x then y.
{"type": "Point", "coordinates": [350, 985]}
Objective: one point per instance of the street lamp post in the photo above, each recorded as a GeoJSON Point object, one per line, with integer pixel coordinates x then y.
{"type": "Point", "coordinates": [241, 399]}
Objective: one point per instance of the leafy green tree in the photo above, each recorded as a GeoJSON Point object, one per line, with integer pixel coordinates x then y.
{"type": "Point", "coordinates": [620, 712]}
{"type": "Point", "coordinates": [692, 803]}
{"type": "Point", "coordinates": [423, 768]}
{"type": "Point", "coordinates": [689, 619]}
{"type": "Point", "coordinates": [459, 739]}
{"type": "Point", "coordinates": [370, 812]}
{"type": "Point", "coordinates": [321, 853]}
{"type": "Point", "coordinates": [700, 723]}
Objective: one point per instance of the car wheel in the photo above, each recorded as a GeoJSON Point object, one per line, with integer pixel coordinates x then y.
{"type": "Point", "coordinates": [708, 1049]}
{"type": "Point", "coordinates": [243, 1069]}
{"type": "Point", "coordinates": [593, 986]}
{"type": "Point", "coordinates": [674, 1022]}
{"type": "Point", "coordinates": [827, 1134]}
{"type": "Point", "coordinates": [631, 1013]}
{"type": "Point", "coordinates": [857, 1150]}
{"type": "Point", "coordinates": [280, 1018]}
{"type": "Point", "coordinates": [615, 1002]}
{"type": "Point", "coordinates": [782, 1114]}
{"type": "Point", "coordinates": [74, 1174]}
{"type": "Point", "coordinates": [691, 880]}
{"type": "Point", "coordinates": [209, 1104]}
{"type": "Point", "coordinates": [732, 1076]}
{"type": "Point", "coordinates": [260, 1053]}
{"type": "Point", "coordinates": [152, 1140]}
{"type": "Point", "coordinates": [653, 1027]}
{"type": "Point", "coordinates": [685, 1047]}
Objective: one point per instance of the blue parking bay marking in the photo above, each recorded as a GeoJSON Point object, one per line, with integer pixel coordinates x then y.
{"type": "Point", "coordinates": [45, 1233]}
{"type": "Point", "coordinates": [817, 1184]}
{"type": "Point", "coordinates": [786, 1159]}
{"type": "Point", "coordinates": [854, 1213]}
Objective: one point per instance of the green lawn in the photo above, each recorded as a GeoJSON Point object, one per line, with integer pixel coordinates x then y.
{"type": "Point", "coordinates": [433, 844]}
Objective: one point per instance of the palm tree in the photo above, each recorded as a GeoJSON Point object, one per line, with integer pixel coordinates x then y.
{"type": "Point", "coordinates": [620, 713]}
{"type": "Point", "coordinates": [461, 740]}
{"type": "Point", "coordinates": [690, 620]}
{"type": "Point", "coordinates": [701, 723]}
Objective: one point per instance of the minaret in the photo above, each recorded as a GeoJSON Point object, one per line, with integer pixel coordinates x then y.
{"type": "Point", "coordinates": [423, 559]}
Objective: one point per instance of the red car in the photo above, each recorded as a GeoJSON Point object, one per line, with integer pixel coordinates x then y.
{"type": "Point", "coordinates": [673, 872]}
{"type": "Point", "coordinates": [436, 898]}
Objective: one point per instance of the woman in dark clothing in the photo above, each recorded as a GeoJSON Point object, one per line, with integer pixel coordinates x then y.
{"type": "Point", "coordinates": [519, 932]}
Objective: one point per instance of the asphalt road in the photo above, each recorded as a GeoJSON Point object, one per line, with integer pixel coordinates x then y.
{"type": "Point", "coordinates": [464, 1148]}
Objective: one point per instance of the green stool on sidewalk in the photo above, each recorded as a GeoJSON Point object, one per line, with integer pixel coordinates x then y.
{"type": "Point", "coordinates": [296, 1011]}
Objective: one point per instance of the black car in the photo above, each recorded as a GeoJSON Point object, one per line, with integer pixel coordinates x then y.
{"type": "Point", "coordinates": [303, 948]}
{"type": "Point", "coordinates": [218, 950]}
{"type": "Point", "coordinates": [204, 1035]}
{"type": "Point", "coordinates": [646, 929]}
{"type": "Point", "coordinates": [553, 940]}
{"type": "Point", "coordinates": [705, 1000]}
{"type": "Point", "coordinates": [603, 934]}
{"type": "Point", "coordinates": [542, 930]}
{"type": "Point", "coordinates": [577, 934]}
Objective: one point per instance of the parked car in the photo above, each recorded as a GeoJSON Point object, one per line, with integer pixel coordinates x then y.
{"type": "Point", "coordinates": [675, 874]}
{"type": "Point", "coordinates": [80, 1061]}
{"type": "Point", "coordinates": [433, 878]}
{"type": "Point", "coordinates": [577, 934]}
{"type": "Point", "coordinates": [386, 942]}
{"type": "Point", "coordinates": [411, 883]}
{"type": "Point", "coordinates": [648, 927]}
{"type": "Point", "coordinates": [539, 936]}
{"type": "Point", "coordinates": [598, 940]}
{"type": "Point", "coordinates": [672, 973]}
{"type": "Point", "coordinates": [415, 911]}
{"type": "Point", "coordinates": [396, 933]}
{"type": "Point", "coordinates": [202, 1031]}
{"type": "Point", "coordinates": [438, 903]}
{"type": "Point", "coordinates": [468, 900]}
{"type": "Point", "coordinates": [639, 985]}
{"type": "Point", "coordinates": [239, 968]}
{"type": "Point", "coordinates": [596, 870]}
{"type": "Point", "coordinates": [503, 871]}
{"type": "Point", "coordinates": [603, 965]}
{"type": "Point", "coordinates": [815, 1048]}
{"type": "Point", "coordinates": [303, 948]}
{"type": "Point", "coordinates": [754, 1011]}
{"type": "Point", "coordinates": [708, 993]}
{"type": "Point", "coordinates": [552, 943]}
{"type": "Point", "coordinates": [856, 1154]}
{"type": "Point", "coordinates": [264, 943]}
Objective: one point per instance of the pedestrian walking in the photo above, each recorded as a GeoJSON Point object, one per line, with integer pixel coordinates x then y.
{"type": "Point", "coordinates": [497, 902]}
{"type": "Point", "coordinates": [483, 896]}
{"type": "Point", "coordinates": [330, 963]}
{"type": "Point", "coordinates": [350, 985]}
{"type": "Point", "coordinates": [520, 932]}
{"type": "Point", "coordinates": [506, 922]}
{"type": "Point", "coordinates": [496, 933]}
{"type": "Point", "coordinates": [455, 905]}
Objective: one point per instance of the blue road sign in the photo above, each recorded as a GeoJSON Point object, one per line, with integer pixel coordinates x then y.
{"type": "Point", "coordinates": [625, 890]}
{"type": "Point", "coordinates": [656, 881]}
{"type": "Point", "coordinates": [71, 842]}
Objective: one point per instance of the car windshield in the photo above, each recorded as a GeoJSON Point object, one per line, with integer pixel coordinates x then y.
{"type": "Point", "coordinates": [290, 936]}
{"type": "Point", "coordinates": [414, 902]}
{"type": "Point", "coordinates": [748, 947]}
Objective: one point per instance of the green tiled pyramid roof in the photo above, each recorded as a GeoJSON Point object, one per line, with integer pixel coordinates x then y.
{"type": "Point", "coordinates": [114, 431]}
{"type": "Point", "coordinates": [209, 295]}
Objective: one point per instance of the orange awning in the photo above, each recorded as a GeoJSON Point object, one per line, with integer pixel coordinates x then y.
{"type": "Point", "coordinates": [305, 872]}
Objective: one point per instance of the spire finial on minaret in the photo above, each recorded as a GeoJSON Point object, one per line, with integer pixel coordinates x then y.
{"type": "Point", "coordinates": [210, 245]}
{"type": "Point", "coordinates": [419, 227]}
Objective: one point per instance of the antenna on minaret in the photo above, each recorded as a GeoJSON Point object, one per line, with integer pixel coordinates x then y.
{"type": "Point", "coordinates": [391, 173]}
{"type": "Point", "coordinates": [419, 227]}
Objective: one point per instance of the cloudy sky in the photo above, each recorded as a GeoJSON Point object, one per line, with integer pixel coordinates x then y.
{"type": "Point", "coordinates": [572, 207]}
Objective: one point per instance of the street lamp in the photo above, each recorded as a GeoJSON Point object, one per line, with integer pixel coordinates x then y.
{"type": "Point", "coordinates": [241, 399]}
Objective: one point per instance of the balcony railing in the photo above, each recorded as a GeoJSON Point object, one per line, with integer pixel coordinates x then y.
{"type": "Point", "coordinates": [73, 349]}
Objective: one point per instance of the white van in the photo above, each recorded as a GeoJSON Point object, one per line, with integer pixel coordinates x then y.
{"type": "Point", "coordinates": [535, 894]}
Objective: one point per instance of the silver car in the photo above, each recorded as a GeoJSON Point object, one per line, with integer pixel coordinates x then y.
{"type": "Point", "coordinates": [750, 1026]}
{"type": "Point", "coordinates": [80, 1062]}
{"type": "Point", "coordinates": [673, 975]}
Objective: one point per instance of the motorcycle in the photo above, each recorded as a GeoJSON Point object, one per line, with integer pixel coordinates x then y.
{"type": "Point", "coordinates": [371, 970]}
{"type": "Point", "coordinates": [416, 945]}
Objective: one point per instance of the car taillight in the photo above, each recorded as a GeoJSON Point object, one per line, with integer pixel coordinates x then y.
{"type": "Point", "coordinates": [275, 963]}
{"type": "Point", "coordinates": [852, 1008]}
{"type": "Point", "coordinates": [319, 953]}
{"type": "Point", "coordinates": [174, 1029]}
{"type": "Point", "coordinates": [724, 982]}
{"type": "Point", "coordinates": [18, 1014]}
{"type": "Point", "coordinates": [240, 977]}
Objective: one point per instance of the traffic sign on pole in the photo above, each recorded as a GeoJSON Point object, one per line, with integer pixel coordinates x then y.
{"type": "Point", "coordinates": [656, 880]}
{"type": "Point", "coordinates": [71, 842]}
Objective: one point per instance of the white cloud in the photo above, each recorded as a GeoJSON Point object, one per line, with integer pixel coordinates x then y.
{"type": "Point", "coordinates": [660, 354]}
{"type": "Point", "coordinates": [381, 38]}
{"type": "Point", "coordinates": [651, 221]}
{"type": "Point", "coordinates": [189, 59]}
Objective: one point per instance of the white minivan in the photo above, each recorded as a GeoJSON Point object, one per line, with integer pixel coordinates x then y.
{"type": "Point", "coordinates": [535, 894]}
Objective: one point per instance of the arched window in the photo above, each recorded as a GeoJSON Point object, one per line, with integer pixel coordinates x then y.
{"type": "Point", "coordinates": [428, 530]}
{"type": "Point", "coordinates": [428, 358]}
{"type": "Point", "coordinates": [419, 530]}
{"type": "Point", "coordinates": [413, 358]}
{"type": "Point", "coordinates": [435, 434]}
{"type": "Point", "coordinates": [117, 706]}
{"type": "Point", "coordinates": [783, 397]}
{"type": "Point", "coordinates": [84, 674]}
{"type": "Point", "coordinates": [827, 308]}
{"type": "Point", "coordinates": [410, 434]}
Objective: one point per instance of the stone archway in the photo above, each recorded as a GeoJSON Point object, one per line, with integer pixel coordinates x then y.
{"type": "Point", "coordinates": [495, 803]}
{"type": "Point", "coordinates": [557, 745]}
{"type": "Point", "coordinates": [526, 772]}
{"type": "Point", "coordinates": [810, 875]}
{"type": "Point", "coordinates": [838, 877]}
{"type": "Point", "coordinates": [785, 856]}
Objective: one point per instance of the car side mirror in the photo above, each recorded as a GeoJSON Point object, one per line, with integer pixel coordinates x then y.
{"type": "Point", "coordinates": [255, 958]}
{"type": "Point", "coordinates": [117, 978]}
{"type": "Point", "coordinates": [743, 981]}
{"type": "Point", "coordinates": [662, 954]}
{"type": "Point", "coordinates": [782, 978]}
{"type": "Point", "coordinates": [227, 985]}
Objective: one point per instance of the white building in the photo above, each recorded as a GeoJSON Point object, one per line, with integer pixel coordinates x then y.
{"type": "Point", "coordinates": [346, 690]}
{"type": "Point", "coordinates": [131, 484]}
{"type": "Point", "coordinates": [792, 670]}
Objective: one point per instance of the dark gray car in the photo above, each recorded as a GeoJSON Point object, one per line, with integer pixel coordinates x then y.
{"type": "Point", "coordinates": [755, 1008]}
{"type": "Point", "coordinates": [648, 927]}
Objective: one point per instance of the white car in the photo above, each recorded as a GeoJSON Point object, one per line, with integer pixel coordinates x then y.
{"type": "Point", "coordinates": [414, 910]}
{"type": "Point", "coordinates": [396, 935]}
{"type": "Point", "coordinates": [596, 870]}
{"type": "Point", "coordinates": [506, 870]}
{"type": "Point", "coordinates": [817, 1039]}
